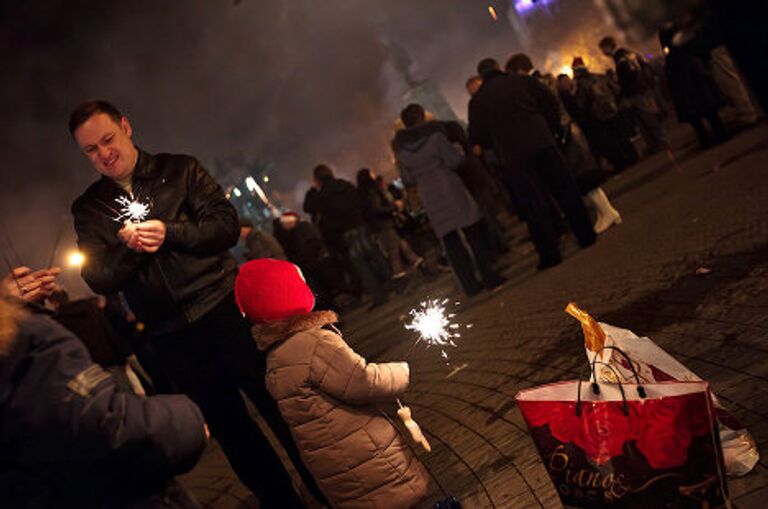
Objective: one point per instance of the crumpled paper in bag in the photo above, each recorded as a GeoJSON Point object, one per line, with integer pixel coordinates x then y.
{"type": "Point", "coordinates": [653, 364]}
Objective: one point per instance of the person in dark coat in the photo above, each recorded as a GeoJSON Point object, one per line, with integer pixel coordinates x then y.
{"type": "Point", "coordinates": [304, 246]}
{"type": "Point", "coordinates": [257, 243]}
{"type": "Point", "coordinates": [516, 116]}
{"type": "Point", "coordinates": [594, 105]}
{"type": "Point", "coordinates": [177, 275]}
{"type": "Point", "coordinates": [575, 150]}
{"type": "Point", "coordinates": [428, 161]}
{"type": "Point", "coordinates": [340, 218]}
{"type": "Point", "coordinates": [694, 92]}
{"type": "Point", "coordinates": [638, 86]}
{"type": "Point", "coordinates": [70, 439]}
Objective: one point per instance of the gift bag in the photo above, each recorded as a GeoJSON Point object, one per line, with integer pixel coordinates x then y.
{"type": "Point", "coordinates": [653, 364]}
{"type": "Point", "coordinates": [628, 445]}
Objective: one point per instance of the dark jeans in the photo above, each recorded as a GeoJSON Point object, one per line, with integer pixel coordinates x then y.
{"type": "Point", "coordinates": [650, 124]}
{"type": "Point", "coordinates": [718, 129]}
{"type": "Point", "coordinates": [461, 260]}
{"type": "Point", "coordinates": [611, 139]}
{"type": "Point", "coordinates": [533, 180]}
{"type": "Point", "coordinates": [367, 260]}
{"type": "Point", "coordinates": [210, 361]}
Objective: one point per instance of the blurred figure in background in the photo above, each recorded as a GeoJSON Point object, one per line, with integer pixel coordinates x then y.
{"type": "Point", "coordinates": [592, 101]}
{"type": "Point", "coordinates": [638, 86]}
{"type": "Point", "coordinates": [340, 219]}
{"type": "Point", "coordinates": [574, 147]}
{"type": "Point", "coordinates": [257, 243]}
{"type": "Point", "coordinates": [516, 116]}
{"type": "Point", "coordinates": [428, 161]}
{"type": "Point", "coordinates": [303, 245]}
{"type": "Point", "coordinates": [694, 91]}
{"type": "Point", "coordinates": [473, 84]}
{"type": "Point", "coordinates": [379, 216]}
{"type": "Point", "coordinates": [709, 33]}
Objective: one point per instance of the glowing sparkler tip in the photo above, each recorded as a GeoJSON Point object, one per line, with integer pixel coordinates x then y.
{"type": "Point", "coordinates": [434, 325]}
{"type": "Point", "coordinates": [131, 210]}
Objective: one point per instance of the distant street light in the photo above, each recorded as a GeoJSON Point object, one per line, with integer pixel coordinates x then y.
{"type": "Point", "coordinates": [75, 259]}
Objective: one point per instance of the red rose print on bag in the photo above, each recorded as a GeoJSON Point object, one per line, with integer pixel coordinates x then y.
{"type": "Point", "coordinates": [603, 431]}
{"type": "Point", "coordinates": [668, 425]}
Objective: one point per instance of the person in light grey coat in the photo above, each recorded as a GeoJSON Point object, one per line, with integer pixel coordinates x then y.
{"type": "Point", "coordinates": [428, 161]}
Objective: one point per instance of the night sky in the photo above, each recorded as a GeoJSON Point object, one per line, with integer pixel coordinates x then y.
{"type": "Point", "coordinates": [293, 83]}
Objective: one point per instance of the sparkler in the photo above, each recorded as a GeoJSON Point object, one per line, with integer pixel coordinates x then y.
{"type": "Point", "coordinates": [254, 187]}
{"type": "Point", "coordinates": [435, 325]}
{"type": "Point", "coordinates": [131, 210]}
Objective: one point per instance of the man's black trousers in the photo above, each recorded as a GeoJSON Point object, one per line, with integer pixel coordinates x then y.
{"type": "Point", "coordinates": [210, 361]}
{"type": "Point", "coordinates": [532, 180]}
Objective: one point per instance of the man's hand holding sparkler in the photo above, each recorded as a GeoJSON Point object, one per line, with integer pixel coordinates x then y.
{"type": "Point", "coordinates": [129, 236]}
{"type": "Point", "coordinates": [144, 237]}
{"type": "Point", "coordinates": [151, 235]}
{"type": "Point", "coordinates": [28, 285]}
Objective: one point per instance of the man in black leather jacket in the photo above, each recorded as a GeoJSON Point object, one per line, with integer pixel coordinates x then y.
{"type": "Point", "coordinates": [178, 277]}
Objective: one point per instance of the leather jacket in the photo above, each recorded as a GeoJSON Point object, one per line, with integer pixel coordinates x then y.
{"type": "Point", "coordinates": [191, 272]}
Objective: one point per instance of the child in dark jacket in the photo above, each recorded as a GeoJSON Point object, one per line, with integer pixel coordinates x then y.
{"type": "Point", "coordinates": [70, 439]}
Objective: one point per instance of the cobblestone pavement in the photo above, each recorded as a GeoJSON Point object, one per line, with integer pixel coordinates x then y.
{"type": "Point", "coordinates": [710, 211]}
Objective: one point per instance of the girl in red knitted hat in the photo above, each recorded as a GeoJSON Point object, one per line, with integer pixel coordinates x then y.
{"type": "Point", "coordinates": [326, 393]}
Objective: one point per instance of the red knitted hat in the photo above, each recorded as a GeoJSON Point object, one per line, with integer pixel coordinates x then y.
{"type": "Point", "coordinates": [269, 290]}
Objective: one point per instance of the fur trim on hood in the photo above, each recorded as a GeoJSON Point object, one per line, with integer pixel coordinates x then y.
{"type": "Point", "coordinates": [268, 334]}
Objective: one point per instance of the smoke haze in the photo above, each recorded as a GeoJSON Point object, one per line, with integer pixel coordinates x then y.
{"type": "Point", "coordinates": [294, 83]}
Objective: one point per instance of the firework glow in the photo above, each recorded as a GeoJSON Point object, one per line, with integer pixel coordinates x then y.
{"type": "Point", "coordinates": [131, 210]}
{"type": "Point", "coordinates": [435, 325]}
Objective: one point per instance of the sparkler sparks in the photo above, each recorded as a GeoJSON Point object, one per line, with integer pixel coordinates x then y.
{"type": "Point", "coordinates": [435, 325]}
{"type": "Point", "coordinates": [131, 210]}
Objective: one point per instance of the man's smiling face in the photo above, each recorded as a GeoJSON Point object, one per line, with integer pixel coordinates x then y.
{"type": "Point", "coordinates": [107, 144]}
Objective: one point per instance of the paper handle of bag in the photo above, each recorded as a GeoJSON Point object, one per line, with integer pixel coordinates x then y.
{"type": "Point", "coordinates": [596, 389]}
{"type": "Point", "coordinates": [640, 389]}
{"type": "Point", "coordinates": [594, 335]}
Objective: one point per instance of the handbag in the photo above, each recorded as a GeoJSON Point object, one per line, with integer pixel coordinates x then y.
{"type": "Point", "coordinates": [628, 445]}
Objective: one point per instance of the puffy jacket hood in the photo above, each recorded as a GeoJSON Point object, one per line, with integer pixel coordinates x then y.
{"type": "Point", "coordinates": [269, 334]}
{"type": "Point", "coordinates": [412, 139]}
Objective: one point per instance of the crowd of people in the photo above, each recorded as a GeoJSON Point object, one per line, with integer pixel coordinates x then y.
{"type": "Point", "coordinates": [103, 401]}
